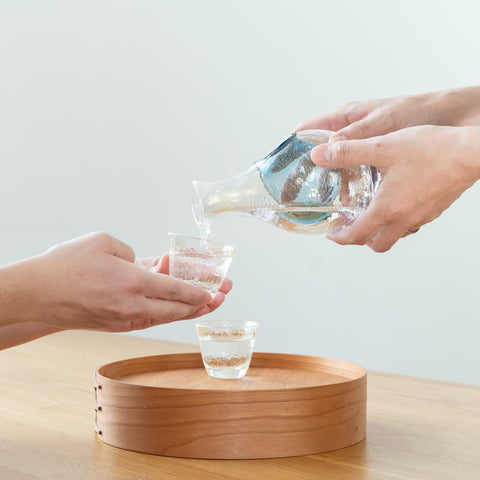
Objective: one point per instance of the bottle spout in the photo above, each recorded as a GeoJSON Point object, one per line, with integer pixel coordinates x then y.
{"type": "Point", "coordinates": [242, 194]}
{"type": "Point", "coordinates": [198, 193]}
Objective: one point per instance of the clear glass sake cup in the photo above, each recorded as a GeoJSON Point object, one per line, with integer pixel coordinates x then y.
{"type": "Point", "coordinates": [198, 261]}
{"type": "Point", "coordinates": [226, 346]}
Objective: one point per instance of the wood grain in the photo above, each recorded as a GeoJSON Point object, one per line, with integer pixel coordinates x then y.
{"type": "Point", "coordinates": [416, 429]}
{"type": "Point", "coordinates": [287, 405]}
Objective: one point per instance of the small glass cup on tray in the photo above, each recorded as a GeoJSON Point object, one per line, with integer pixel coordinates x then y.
{"type": "Point", "coordinates": [226, 346]}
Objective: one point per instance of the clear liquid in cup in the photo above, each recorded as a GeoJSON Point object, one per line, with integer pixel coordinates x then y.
{"type": "Point", "coordinates": [203, 270]}
{"type": "Point", "coordinates": [227, 350]}
{"type": "Point", "coordinates": [198, 261]}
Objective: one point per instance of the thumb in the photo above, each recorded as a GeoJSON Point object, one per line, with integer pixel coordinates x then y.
{"type": "Point", "coordinates": [347, 153]}
{"type": "Point", "coordinates": [164, 265]}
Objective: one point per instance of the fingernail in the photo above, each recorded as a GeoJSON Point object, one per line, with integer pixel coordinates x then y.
{"type": "Point", "coordinates": [320, 154]}
{"type": "Point", "coordinates": [326, 154]}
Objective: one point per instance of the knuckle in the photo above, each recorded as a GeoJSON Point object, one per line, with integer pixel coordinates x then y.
{"type": "Point", "coordinates": [357, 237]}
{"type": "Point", "coordinates": [116, 247]}
{"type": "Point", "coordinates": [101, 238]}
{"type": "Point", "coordinates": [186, 293]}
{"type": "Point", "coordinates": [351, 238]}
{"type": "Point", "coordinates": [360, 130]}
{"type": "Point", "coordinates": [417, 219]}
{"type": "Point", "coordinates": [358, 240]}
{"type": "Point", "coordinates": [176, 311]}
{"type": "Point", "coordinates": [123, 310]}
{"type": "Point", "coordinates": [350, 111]}
{"type": "Point", "coordinates": [174, 290]}
{"type": "Point", "coordinates": [383, 242]}
{"type": "Point", "coordinates": [128, 252]}
{"type": "Point", "coordinates": [134, 286]}
{"type": "Point", "coordinates": [395, 211]}
{"type": "Point", "coordinates": [379, 248]}
{"type": "Point", "coordinates": [379, 245]}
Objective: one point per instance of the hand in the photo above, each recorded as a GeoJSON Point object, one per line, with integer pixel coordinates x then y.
{"type": "Point", "coordinates": [161, 265]}
{"type": "Point", "coordinates": [93, 283]}
{"type": "Point", "coordinates": [424, 170]}
{"type": "Point", "coordinates": [371, 118]}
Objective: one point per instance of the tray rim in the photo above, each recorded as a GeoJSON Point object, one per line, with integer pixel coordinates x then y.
{"type": "Point", "coordinates": [98, 375]}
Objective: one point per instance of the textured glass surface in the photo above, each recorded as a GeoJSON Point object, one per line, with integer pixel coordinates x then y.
{"type": "Point", "coordinates": [287, 190]}
{"type": "Point", "coordinates": [198, 261]}
{"type": "Point", "coordinates": [290, 176]}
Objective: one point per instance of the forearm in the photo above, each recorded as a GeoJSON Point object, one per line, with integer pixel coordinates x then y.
{"type": "Point", "coordinates": [466, 151]}
{"type": "Point", "coordinates": [16, 334]}
{"type": "Point", "coordinates": [456, 107]}
{"type": "Point", "coordinates": [18, 287]}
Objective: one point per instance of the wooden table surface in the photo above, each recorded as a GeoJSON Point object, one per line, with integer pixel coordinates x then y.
{"type": "Point", "coordinates": [416, 428]}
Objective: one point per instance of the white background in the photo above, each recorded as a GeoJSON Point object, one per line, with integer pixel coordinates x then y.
{"type": "Point", "coordinates": [109, 108]}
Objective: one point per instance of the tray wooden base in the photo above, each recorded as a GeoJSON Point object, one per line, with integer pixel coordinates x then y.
{"type": "Point", "coordinates": [286, 405]}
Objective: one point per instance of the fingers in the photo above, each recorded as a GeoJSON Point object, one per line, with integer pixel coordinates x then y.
{"type": "Point", "coordinates": [169, 299]}
{"type": "Point", "coordinates": [115, 247]}
{"type": "Point", "coordinates": [150, 264]}
{"type": "Point", "coordinates": [356, 131]}
{"type": "Point", "coordinates": [164, 266]}
{"type": "Point", "coordinates": [359, 120]}
{"type": "Point", "coordinates": [154, 264]}
{"type": "Point", "coordinates": [217, 301]}
{"type": "Point", "coordinates": [338, 118]}
{"type": "Point", "coordinates": [161, 266]}
{"type": "Point", "coordinates": [334, 121]}
{"type": "Point", "coordinates": [159, 286]}
{"type": "Point", "coordinates": [209, 308]}
{"type": "Point", "coordinates": [342, 154]}
{"type": "Point", "coordinates": [386, 238]}
{"type": "Point", "coordinates": [376, 124]}
{"type": "Point", "coordinates": [378, 239]}
{"type": "Point", "coordinates": [363, 229]}
{"type": "Point", "coordinates": [163, 311]}
{"type": "Point", "coordinates": [226, 286]}
{"type": "Point", "coordinates": [378, 227]}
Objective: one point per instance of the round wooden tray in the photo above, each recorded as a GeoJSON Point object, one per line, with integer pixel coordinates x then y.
{"type": "Point", "coordinates": [286, 405]}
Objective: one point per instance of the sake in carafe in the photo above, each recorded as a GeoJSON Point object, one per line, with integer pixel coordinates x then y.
{"type": "Point", "coordinates": [288, 190]}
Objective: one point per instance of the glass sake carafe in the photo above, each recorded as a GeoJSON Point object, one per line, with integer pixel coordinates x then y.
{"type": "Point", "coordinates": [288, 190]}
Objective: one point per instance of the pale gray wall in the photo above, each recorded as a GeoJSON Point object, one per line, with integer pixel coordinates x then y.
{"type": "Point", "coordinates": [108, 109]}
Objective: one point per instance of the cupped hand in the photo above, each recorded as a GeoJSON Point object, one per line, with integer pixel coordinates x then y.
{"type": "Point", "coordinates": [424, 170]}
{"type": "Point", "coordinates": [94, 283]}
{"type": "Point", "coordinates": [161, 265]}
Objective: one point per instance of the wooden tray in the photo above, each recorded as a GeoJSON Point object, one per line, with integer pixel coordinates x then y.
{"type": "Point", "coordinates": [286, 405]}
